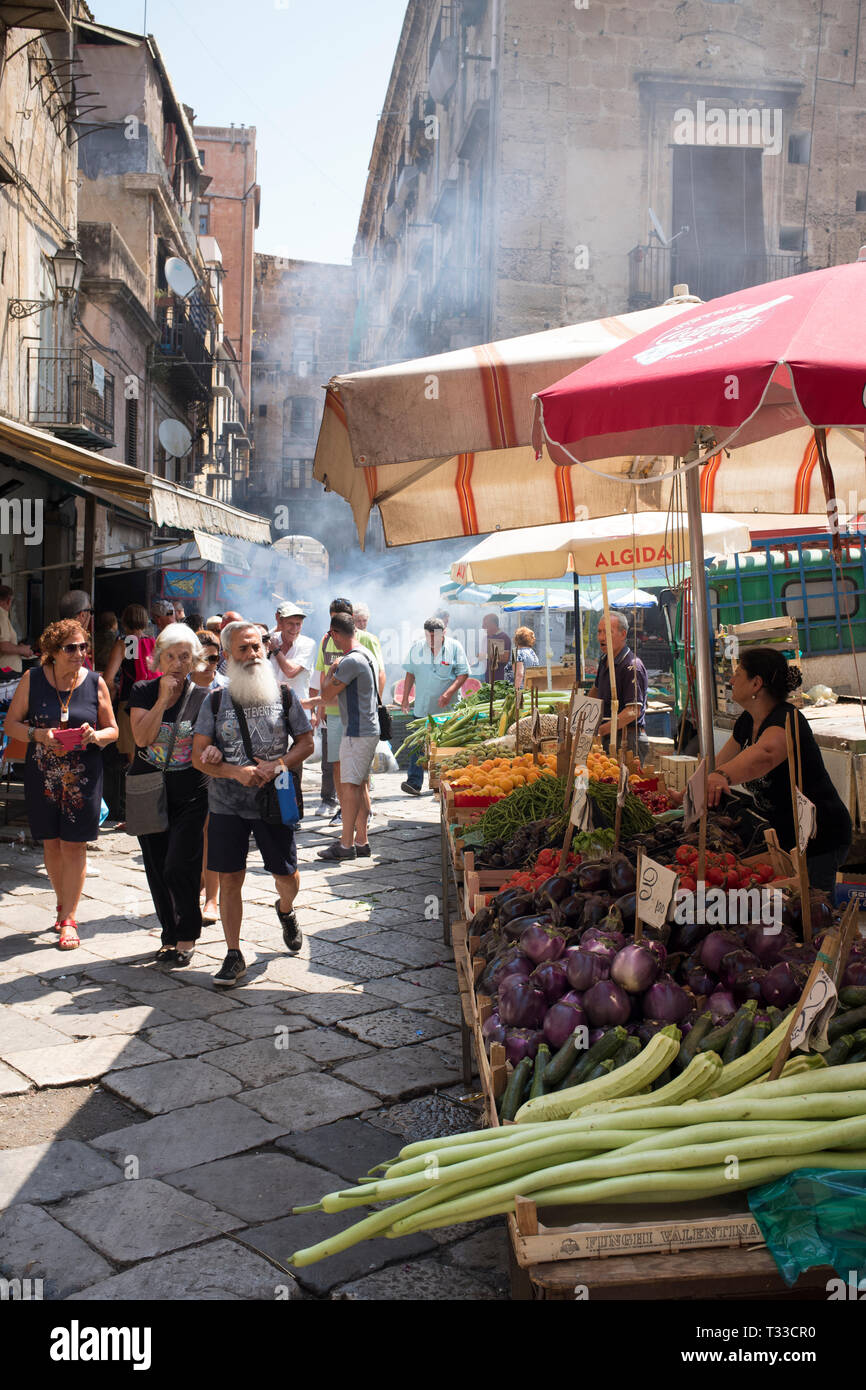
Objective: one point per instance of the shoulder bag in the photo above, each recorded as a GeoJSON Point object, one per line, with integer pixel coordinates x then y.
{"type": "Point", "coordinates": [276, 805]}
{"type": "Point", "coordinates": [146, 802]}
{"type": "Point", "coordinates": [385, 724]}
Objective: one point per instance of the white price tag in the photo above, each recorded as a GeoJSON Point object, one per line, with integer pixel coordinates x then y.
{"type": "Point", "coordinates": [815, 1015]}
{"type": "Point", "coordinates": [695, 799]}
{"type": "Point", "coordinates": [654, 892]}
{"type": "Point", "coordinates": [584, 721]}
{"type": "Point", "coordinates": [623, 784]}
{"type": "Point", "coordinates": [578, 801]}
{"type": "Point", "coordinates": [807, 824]}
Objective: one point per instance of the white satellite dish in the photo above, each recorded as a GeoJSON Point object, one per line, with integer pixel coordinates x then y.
{"type": "Point", "coordinates": [175, 438]}
{"type": "Point", "coordinates": [180, 276]}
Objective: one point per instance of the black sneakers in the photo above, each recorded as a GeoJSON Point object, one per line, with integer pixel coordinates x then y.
{"type": "Point", "coordinates": [231, 970]}
{"type": "Point", "coordinates": [291, 931]}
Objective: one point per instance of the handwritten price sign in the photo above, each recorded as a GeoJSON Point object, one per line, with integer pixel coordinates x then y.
{"type": "Point", "coordinates": [654, 892]}
{"type": "Point", "coordinates": [807, 823]}
{"type": "Point", "coordinates": [584, 722]}
{"type": "Point", "coordinates": [695, 799]}
{"type": "Point", "coordinates": [815, 1014]}
{"type": "Point", "coordinates": [578, 801]}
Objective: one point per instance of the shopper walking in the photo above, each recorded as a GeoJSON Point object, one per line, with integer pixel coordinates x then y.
{"type": "Point", "coordinates": [523, 655]}
{"type": "Point", "coordinates": [161, 615]}
{"type": "Point", "coordinates": [436, 670]}
{"type": "Point", "coordinates": [328, 712]}
{"type": "Point", "coordinates": [63, 711]}
{"type": "Point", "coordinates": [253, 712]}
{"type": "Point", "coordinates": [291, 654]}
{"type": "Point", "coordinates": [353, 679]}
{"type": "Point", "coordinates": [206, 676]}
{"type": "Point", "coordinates": [163, 715]}
{"type": "Point", "coordinates": [11, 650]}
{"type": "Point", "coordinates": [130, 661]}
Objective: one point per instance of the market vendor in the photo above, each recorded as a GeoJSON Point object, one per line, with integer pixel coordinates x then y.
{"type": "Point", "coordinates": [631, 688]}
{"type": "Point", "coordinates": [436, 670]}
{"type": "Point", "coordinates": [756, 756]}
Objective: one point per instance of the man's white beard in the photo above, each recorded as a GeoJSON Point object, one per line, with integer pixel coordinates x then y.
{"type": "Point", "coordinates": [256, 686]}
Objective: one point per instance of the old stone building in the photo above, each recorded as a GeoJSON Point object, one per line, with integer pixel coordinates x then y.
{"type": "Point", "coordinates": [539, 162]}
{"type": "Point", "coordinates": [303, 321]}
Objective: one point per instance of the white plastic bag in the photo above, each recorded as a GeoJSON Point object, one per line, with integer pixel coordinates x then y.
{"type": "Point", "coordinates": [316, 755]}
{"type": "Point", "coordinates": [383, 758]}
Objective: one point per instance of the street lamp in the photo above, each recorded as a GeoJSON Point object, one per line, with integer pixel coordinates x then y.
{"type": "Point", "coordinates": [66, 267]}
{"type": "Point", "coordinates": [221, 451]}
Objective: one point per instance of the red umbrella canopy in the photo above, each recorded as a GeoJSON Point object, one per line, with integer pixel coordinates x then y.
{"type": "Point", "coordinates": [748, 366]}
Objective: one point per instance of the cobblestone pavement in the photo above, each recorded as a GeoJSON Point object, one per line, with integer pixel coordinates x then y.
{"type": "Point", "coordinates": [190, 1121]}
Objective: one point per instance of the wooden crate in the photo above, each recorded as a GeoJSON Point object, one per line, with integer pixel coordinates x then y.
{"type": "Point", "coordinates": [435, 758]}
{"type": "Point", "coordinates": [480, 882]}
{"type": "Point", "coordinates": [492, 1071]}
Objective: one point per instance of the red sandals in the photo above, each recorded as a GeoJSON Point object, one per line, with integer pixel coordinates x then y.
{"type": "Point", "coordinates": [69, 938]}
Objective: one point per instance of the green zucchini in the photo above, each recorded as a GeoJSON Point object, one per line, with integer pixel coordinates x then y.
{"type": "Point", "coordinates": [542, 1059]}
{"type": "Point", "coordinates": [513, 1093]}
{"type": "Point", "coordinates": [847, 1022]}
{"type": "Point", "coordinates": [689, 1046]}
{"type": "Point", "coordinates": [715, 1041]}
{"type": "Point", "coordinates": [776, 1015]}
{"type": "Point", "coordinates": [568, 1056]}
{"type": "Point", "coordinates": [664, 1079]}
{"type": "Point", "coordinates": [838, 1051]}
{"type": "Point", "coordinates": [853, 996]}
{"type": "Point", "coordinates": [654, 1058]}
{"type": "Point", "coordinates": [629, 1050]}
{"type": "Point", "coordinates": [601, 1070]}
{"type": "Point", "coordinates": [760, 1029]}
{"type": "Point", "coordinates": [606, 1047]}
{"type": "Point", "coordinates": [738, 1038]}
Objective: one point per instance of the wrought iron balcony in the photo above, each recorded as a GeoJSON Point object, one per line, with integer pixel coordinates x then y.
{"type": "Point", "coordinates": [183, 345]}
{"type": "Point", "coordinates": [654, 270]}
{"type": "Point", "coordinates": [72, 395]}
{"type": "Point", "coordinates": [36, 14]}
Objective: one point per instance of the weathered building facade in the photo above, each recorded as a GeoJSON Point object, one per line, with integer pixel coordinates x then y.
{"type": "Point", "coordinates": [303, 321]}
{"type": "Point", "coordinates": [539, 163]}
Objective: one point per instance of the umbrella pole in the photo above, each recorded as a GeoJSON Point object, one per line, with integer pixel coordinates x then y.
{"type": "Point", "coordinates": [703, 669]}
{"type": "Point", "coordinates": [547, 637]}
{"type": "Point", "coordinates": [578, 633]}
{"type": "Point", "coordinates": [614, 703]}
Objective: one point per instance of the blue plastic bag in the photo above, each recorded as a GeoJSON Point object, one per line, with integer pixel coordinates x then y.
{"type": "Point", "coordinates": [285, 784]}
{"type": "Point", "coordinates": [815, 1216]}
{"type": "Point", "coordinates": [103, 811]}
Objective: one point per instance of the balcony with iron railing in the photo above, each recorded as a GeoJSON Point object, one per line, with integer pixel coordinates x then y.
{"type": "Point", "coordinates": [185, 349]}
{"type": "Point", "coordinates": [654, 270]}
{"type": "Point", "coordinates": [72, 395]}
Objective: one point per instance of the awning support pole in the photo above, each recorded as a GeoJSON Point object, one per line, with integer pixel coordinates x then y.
{"type": "Point", "coordinates": [701, 626]}
{"type": "Point", "coordinates": [547, 637]}
{"type": "Point", "coordinates": [578, 633]}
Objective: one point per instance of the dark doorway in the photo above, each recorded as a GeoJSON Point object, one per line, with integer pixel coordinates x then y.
{"type": "Point", "coordinates": [718, 195]}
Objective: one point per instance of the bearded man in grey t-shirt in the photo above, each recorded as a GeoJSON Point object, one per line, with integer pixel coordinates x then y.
{"type": "Point", "coordinates": [252, 706]}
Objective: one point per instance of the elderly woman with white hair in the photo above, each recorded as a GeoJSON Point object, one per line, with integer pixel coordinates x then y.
{"type": "Point", "coordinates": [163, 715]}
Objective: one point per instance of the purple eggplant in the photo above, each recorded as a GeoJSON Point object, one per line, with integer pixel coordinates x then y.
{"type": "Point", "coordinates": [521, 1005]}
{"type": "Point", "coordinates": [722, 1006]}
{"type": "Point", "coordinates": [520, 1043]}
{"type": "Point", "coordinates": [768, 943]}
{"type": "Point", "coordinates": [551, 979]}
{"type": "Point", "coordinates": [855, 973]}
{"type": "Point", "coordinates": [666, 1001]}
{"type": "Point", "coordinates": [733, 965]}
{"type": "Point", "coordinates": [586, 968]}
{"type": "Point", "coordinates": [541, 943]}
{"type": "Point", "coordinates": [606, 1004]}
{"type": "Point", "coordinates": [635, 968]}
{"type": "Point", "coordinates": [560, 1022]}
{"type": "Point", "coordinates": [595, 909]}
{"type": "Point", "coordinates": [572, 909]}
{"type": "Point", "coordinates": [622, 875]}
{"type": "Point", "coordinates": [749, 985]}
{"type": "Point", "coordinates": [715, 946]}
{"type": "Point", "coordinates": [593, 877]}
{"type": "Point", "coordinates": [779, 985]}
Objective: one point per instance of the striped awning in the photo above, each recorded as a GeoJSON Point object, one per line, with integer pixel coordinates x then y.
{"type": "Point", "coordinates": [442, 446]}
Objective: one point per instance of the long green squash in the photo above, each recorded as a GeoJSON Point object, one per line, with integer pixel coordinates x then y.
{"type": "Point", "coordinates": [656, 1057]}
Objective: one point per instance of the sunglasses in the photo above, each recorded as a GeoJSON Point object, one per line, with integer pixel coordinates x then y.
{"type": "Point", "coordinates": [212, 660]}
{"type": "Point", "coordinates": [73, 648]}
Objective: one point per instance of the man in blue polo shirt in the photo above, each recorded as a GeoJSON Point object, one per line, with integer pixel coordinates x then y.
{"type": "Point", "coordinates": [631, 680]}
{"type": "Point", "coordinates": [436, 669]}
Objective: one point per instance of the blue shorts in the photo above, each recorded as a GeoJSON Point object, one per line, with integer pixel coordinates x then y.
{"type": "Point", "coordinates": [228, 843]}
{"type": "Point", "coordinates": [335, 737]}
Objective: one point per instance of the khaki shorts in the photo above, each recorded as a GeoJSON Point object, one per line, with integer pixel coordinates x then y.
{"type": "Point", "coordinates": [356, 758]}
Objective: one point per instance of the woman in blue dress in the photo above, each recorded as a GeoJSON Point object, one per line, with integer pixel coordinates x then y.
{"type": "Point", "coordinates": [523, 654]}
{"type": "Point", "coordinates": [63, 712]}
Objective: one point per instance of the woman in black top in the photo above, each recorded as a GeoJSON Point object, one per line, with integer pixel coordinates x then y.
{"type": "Point", "coordinates": [756, 754]}
{"type": "Point", "coordinates": [173, 857]}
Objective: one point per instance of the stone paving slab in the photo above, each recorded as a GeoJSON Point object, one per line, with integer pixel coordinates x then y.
{"type": "Point", "coordinates": [392, 1075]}
{"type": "Point", "coordinates": [104, 1022]}
{"type": "Point", "coordinates": [398, 991]}
{"type": "Point", "coordinates": [189, 1037]}
{"type": "Point", "coordinates": [352, 963]}
{"type": "Point", "coordinates": [171, 1085]}
{"type": "Point", "coordinates": [422, 1280]}
{"type": "Point", "coordinates": [328, 1045]}
{"type": "Point", "coordinates": [261, 1061]}
{"type": "Point", "coordinates": [350, 1147]}
{"type": "Point", "coordinates": [329, 1008]}
{"type": "Point", "coordinates": [12, 1083]}
{"type": "Point", "coordinates": [443, 1006]}
{"type": "Point", "coordinates": [257, 1187]}
{"type": "Point", "coordinates": [488, 1249]}
{"type": "Point", "coordinates": [45, 1172]}
{"type": "Point", "coordinates": [188, 1137]}
{"type": "Point", "coordinates": [83, 1061]}
{"type": "Point", "coordinates": [139, 1219]}
{"type": "Point", "coordinates": [402, 948]}
{"type": "Point", "coordinates": [309, 1099]}
{"type": "Point", "coordinates": [394, 1028]}
{"type": "Point", "coordinates": [343, 934]}
{"type": "Point", "coordinates": [193, 1002]}
{"type": "Point", "coordinates": [299, 975]}
{"type": "Point", "coordinates": [223, 1271]}
{"type": "Point", "coordinates": [258, 1021]}
{"type": "Point", "coordinates": [440, 979]}
{"type": "Point", "coordinates": [33, 1245]}
{"type": "Point", "coordinates": [427, 1117]}
{"type": "Point", "coordinates": [280, 1239]}
{"type": "Point", "coordinates": [18, 1033]}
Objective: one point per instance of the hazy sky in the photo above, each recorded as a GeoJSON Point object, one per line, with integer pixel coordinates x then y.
{"type": "Point", "coordinates": [310, 75]}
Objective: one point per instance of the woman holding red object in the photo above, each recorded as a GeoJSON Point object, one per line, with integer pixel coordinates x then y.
{"type": "Point", "coordinates": [63, 712]}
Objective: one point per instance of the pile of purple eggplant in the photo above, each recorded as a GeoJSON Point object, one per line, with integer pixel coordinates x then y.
{"type": "Point", "coordinates": [566, 955]}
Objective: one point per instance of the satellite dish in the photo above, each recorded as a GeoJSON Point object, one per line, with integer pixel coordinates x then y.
{"type": "Point", "coordinates": [180, 276]}
{"type": "Point", "coordinates": [657, 228]}
{"type": "Point", "coordinates": [175, 438]}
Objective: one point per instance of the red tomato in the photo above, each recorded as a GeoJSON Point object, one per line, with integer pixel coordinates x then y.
{"type": "Point", "coordinates": [715, 875]}
{"type": "Point", "coordinates": [765, 872]}
{"type": "Point", "coordinates": [689, 883]}
{"type": "Point", "coordinates": [730, 859]}
{"type": "Point", "coordinates": [685, 854]}
{"type": "Point", "coordinates": [732, 879]}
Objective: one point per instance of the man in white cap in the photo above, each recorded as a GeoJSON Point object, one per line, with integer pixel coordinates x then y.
{"type": "Point", "coordinates": [292, 655]}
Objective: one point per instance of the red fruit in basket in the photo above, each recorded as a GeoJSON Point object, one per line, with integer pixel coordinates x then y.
{"type": "Point", "coordinates": [730, 859]}
{"type": "Point", "coordinates": [765, 872]}
{"type": "Point", "coordinates": [686, 854]}
{"type": "Point", "coordinates": [715, 875]}
{"type": "Point", "coordinates": [732, 879]}
{"type": "Point", "coordinates": [688, 882]}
